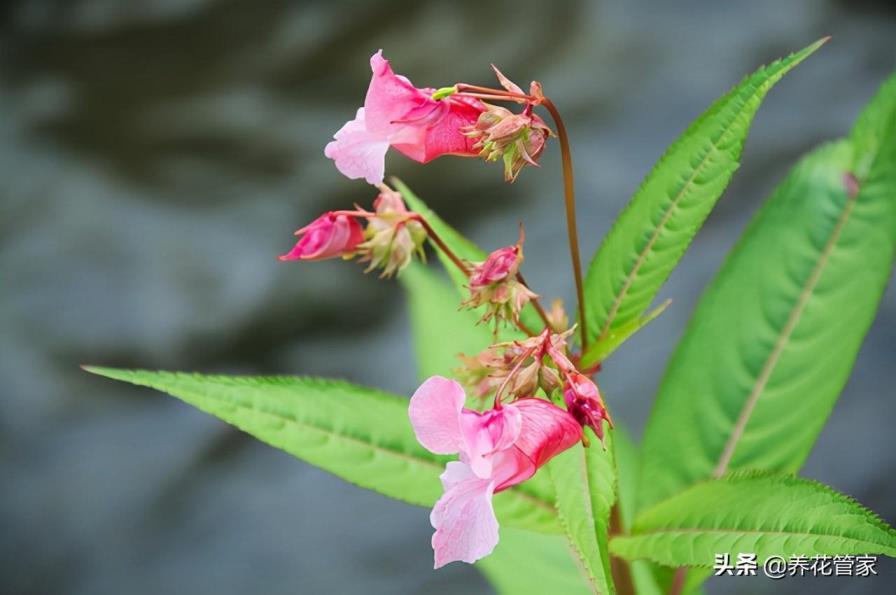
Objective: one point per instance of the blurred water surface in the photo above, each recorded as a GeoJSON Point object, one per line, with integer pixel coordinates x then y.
{"type": "Point", "coordinates": [156, 156]}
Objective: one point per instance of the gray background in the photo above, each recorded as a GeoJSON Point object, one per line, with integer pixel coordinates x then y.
{"type": "Point", "coordinates": [156, 156]}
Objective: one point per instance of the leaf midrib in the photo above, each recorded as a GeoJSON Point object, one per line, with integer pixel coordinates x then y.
{"type": "Point", "coordinates": [781, 343]}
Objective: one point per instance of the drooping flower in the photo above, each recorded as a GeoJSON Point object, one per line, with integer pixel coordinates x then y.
{"type": "Point", "coordinates": [393, 235]}
{"type": "Point", "coordinates": [330, 235]}
{"type": "Point", "coordinates": [584, 403]}
{"type": "Point", "coordinates": [398, 114]}
{"type": "Point", "coordinates": [498, 449]}
{"type": "Point", "coordinates": [493, 283]}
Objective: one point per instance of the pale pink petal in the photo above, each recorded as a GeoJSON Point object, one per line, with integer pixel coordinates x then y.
{"type": "Point", "coordinates": [435, 415]}
{"type": "Point", "coordinates": [486, 433]}
{"type": "Point", "coordinates": [358, 152]}
{"type": "Point", "coordinates": [464, 519]}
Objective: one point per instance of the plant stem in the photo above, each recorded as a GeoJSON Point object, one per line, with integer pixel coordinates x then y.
{"type": "Point", "coordinates": [619, 568]}
{"type": "Point", "coordinates": [569, 194]}
{"type": "Point", "coordinates": [441, 244]}
{"type": "Point", "coordinates": [678, 580]}
{"type": "Point", "coordinates": [536, 304]}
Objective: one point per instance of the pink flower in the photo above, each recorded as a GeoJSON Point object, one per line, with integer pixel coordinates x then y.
{"type": "Point", "coordinates": [328, 236]}
{"type": "Point", "coordinates": [498, 449]}
{"type": "Point", "coordinates": [398, 114]}
{"type": "Point", "coordinates": [500, 264]}
{"type": "Point", "coordinates": [584, 403]}
{"type": "Point", "coordinates": [493, 284]}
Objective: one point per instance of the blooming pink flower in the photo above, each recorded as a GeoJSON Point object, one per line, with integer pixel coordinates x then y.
{"type": "Point", "coordinates": [328, 236]}
{"type": "Point", "coordinates": [584, 403]}
{"type": "Point", "coordinates": [398, 114]}
{"type": "Point", "coordinates": [498, 449]}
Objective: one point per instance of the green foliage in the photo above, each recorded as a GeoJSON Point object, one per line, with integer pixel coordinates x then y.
{"type": "Point", "coordinates": [774, 338]}
{"type": "Point", "coordinates": [654, 230]}
{"type": "Point", "coordinates": [600, 350]}
{"type": "Point", "coordinates": [359, 434]}
{"type": "Point", "coordinates": [771, 515]}
{"type": "Point", "coordinates": [528, 562]}
{"type": "Point", "coordinates": [585, 484]}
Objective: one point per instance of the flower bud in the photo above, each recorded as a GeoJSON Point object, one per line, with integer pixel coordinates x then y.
{"type": "Point", "coordinates": [393, 236]}
{"type": "Point", "coordinates": [584, 403]}
{"type": "Point", "coordinates": [328, 236]}
{"type": "Point", "coordinates": [493, 283]}
{"type": "Point", "coordinates": [516, 139]}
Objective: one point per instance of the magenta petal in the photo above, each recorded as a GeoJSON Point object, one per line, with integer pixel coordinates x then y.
{"type": "Point", "coordinates": [358, 152]}
{"type": "Point", "coordinates": [435, 415]}
{"type": "Point", "coordinates": [390, 97]}
{"type": "Point", "coordinates": [547, 430]}
{"type": "Point", "coordinates": [464, 519]}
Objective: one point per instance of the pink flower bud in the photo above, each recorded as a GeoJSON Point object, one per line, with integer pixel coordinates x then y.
{"type": "Point", "coordinates": [328, 236]}
{"type": "Point", "coordinates": [500, 265]}
{"type": "Point", "coordinates": [584, 403]}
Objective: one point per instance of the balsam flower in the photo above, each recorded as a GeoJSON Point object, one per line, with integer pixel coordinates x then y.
{"type": "Point", "coordinates": [584, 403]}
{"type": "Point", "coordinates": [393, 234]}
{"type": "Point", "coordinates": [398, 114]}
{"type": "Point", "coordinates": [330, 235]}
{"type": "Point", "coordinates": [498, 449]}
{"type": "Point", "coordinates": [493, 283]}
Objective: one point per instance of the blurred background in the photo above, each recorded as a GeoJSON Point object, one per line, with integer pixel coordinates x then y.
{"type": "Point", "coordinates": [155, 157]}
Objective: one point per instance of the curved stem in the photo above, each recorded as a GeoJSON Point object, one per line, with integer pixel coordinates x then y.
{"type": "Point", "coordinates": [569, 194]}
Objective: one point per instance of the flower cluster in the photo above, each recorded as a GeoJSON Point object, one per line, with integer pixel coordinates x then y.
{"type": "Point", "coordinates": [494, 284]}
{"type": "Point", "coordinates": [393, 235]}
{"type": "Point", "coordinates": [498, 449]}
{"type": "Point", "coordinates": [529, 377]}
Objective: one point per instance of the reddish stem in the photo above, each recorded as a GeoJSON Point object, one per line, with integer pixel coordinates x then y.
{"type": "Point", "coordinates": [536, 304]}
{"type": "Point", "coordinates": [569, 194]}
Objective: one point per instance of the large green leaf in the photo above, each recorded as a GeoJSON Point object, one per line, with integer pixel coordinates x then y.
{"type": "Point", "coordinates": [655, 229]}
{"type": "Point", "coordinates": [359, 434]}
{"type": "Point", "coordinates": [466, 250]}
{"type": "Point", "coordinates": [773, 340]}
{"type": "Point", "coordinates": [761, 513]}
{"type": "Point", "coordinates": [585, 484]}
{"type": "Point", "coordinates": [528, 562]}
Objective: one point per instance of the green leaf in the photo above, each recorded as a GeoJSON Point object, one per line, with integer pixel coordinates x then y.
{"type": "Point", "coordinates": [872, 127]}
{"type": "Point", "coordinates": [600, 350]}
{"type": "Point", "coordinates": [528, 562]}
{"type": "Point", "coordinates": [359, 434]}
{"type": "Point", "coordinates": [466, 250]}
{"type": "Point", "coordinates": [762, 513]}
{"type": "Point", "coordinates": [585, 483]}
{"type": "Point", "coordinates": [655, 229]}
{"type": "Point", "coordinates": [774, 338]}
